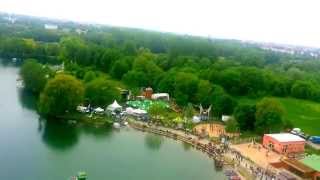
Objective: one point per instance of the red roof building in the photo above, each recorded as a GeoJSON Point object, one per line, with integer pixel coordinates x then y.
{"type": "Point", "coordinates": [284, 143]}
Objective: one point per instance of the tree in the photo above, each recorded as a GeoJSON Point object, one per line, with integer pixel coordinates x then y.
{"type": "Point", "coordinates": [33, 75]}
{"type": "Point", "coordinates": [108, 58]}
{"type": "Point", "coordinates": [145, 63]}
{"type": "Point", "coordinates": [222, 102]}
{"type": "Point", "coordinates": [101, 92]}
{"type": "Point", "coordinates": [245, 116]}
{"type": "Point", "coordinates": [156, 110]}
{"type": "Point", "coordinates": [302, 89]}
{"type": "Point", "coordinates": [75, 49]}
{"type": "Point", "coordinates": [188, 111]}
{"type": "Point", "coordinates": [186, 85]}
{"type": "Point", "coordinates": [232, 126]}
{"type": "Point", "coordinates": [89, 76]}
{"type": "Point", "coordinates": [135, 79]}
{"type": "Point", "coordinates": [269, 115]}
{"type": "Point", "coordinates": [119, 68]}
{"type": "Point", "coordinates": [61, 95]}
{"type": "Point", "coordinates": [203, 92]}
{"type": "Point", "coordinates": [230, 79]}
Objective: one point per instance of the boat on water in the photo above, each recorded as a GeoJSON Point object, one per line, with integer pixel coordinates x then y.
{"type": "Point", "coordinates": [80, 176]}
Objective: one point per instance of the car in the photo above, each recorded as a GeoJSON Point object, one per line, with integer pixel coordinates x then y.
{"type": "Point", "coordinates": [315, 139]}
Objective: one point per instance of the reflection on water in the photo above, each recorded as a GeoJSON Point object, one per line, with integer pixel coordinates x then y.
{"type": "Point", "coordinates": [102, 132]}
{"type": "Point", "coordinates": [27, 99]}
{"type": "Point", "coordinates": [59, 136]}
{"type": "Point", "coordinates": [186, 146]}
{"type": "Point", "coordinates": [153, 142]}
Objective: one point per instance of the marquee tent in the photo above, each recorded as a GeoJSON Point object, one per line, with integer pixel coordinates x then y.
{"type": "Point", "coordinates": [114, 106]}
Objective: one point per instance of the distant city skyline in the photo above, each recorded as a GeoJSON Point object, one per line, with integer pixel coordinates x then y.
{"type": "Point", "coordinates": [292, 22]}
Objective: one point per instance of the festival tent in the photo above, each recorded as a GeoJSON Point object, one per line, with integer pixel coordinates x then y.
{"type": "Point", "coordinates": [132, 111]}
{"type": "Point", "coordinates": [225, 118]}
{"type": "Point", "coordinates": [98, 110]}
{"type": "Point", "coordinates": [114, 106]}
{"type": "Point", "coordinates": [195, 119]}
{"type": "Point", "coordinates": [82, 109]}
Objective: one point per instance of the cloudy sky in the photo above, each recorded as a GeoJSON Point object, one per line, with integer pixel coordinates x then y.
{"type": "Point", "coordinates": [281, 21]}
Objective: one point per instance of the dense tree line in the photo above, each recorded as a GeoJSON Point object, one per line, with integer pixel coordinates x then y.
{"type": "Point", "coordinates": [191, 69]}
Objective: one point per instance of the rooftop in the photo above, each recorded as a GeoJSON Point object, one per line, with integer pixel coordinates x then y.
{"type": "Point", "coordinates": [312, 161]}
{"type": "Point", "coordinates": [298, 165]}
{"type": "Point", "coordinates": [286, 137]}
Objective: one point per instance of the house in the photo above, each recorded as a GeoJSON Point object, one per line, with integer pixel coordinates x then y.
{"type": "Point", "coordinates": [284, 143]}
{"type": "Point", "coordinates": [147, 92]}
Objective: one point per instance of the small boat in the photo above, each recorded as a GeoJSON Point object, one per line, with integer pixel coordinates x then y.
{"type": "Point", "coordinates": [80, 176]}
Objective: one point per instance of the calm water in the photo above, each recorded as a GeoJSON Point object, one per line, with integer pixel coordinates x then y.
{"type": "Point", "coordinates": [31, 149]}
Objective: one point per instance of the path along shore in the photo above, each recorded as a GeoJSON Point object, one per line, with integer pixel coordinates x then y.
{"type": "Point", "coordinates": [229, 157]}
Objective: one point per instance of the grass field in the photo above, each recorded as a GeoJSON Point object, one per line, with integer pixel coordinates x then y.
{"type": "Point", "coordinates": [302, 113]}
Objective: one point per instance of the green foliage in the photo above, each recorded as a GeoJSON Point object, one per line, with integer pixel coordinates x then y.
{"type": "Point", "coordinates": [120, 67]}
{"type": "Point", "coordinates": [269, 116]}
{"type": "Point", "coordinates": [245, 116]}
{"type": "Point", "coordinates": [204, 92]}
{"type": "Point", "coordinates": [61, 95]}
{"type": "Point", "coordinates": [101, 92]}
{"type": "Point", "coordinates": [191, 69]}
{"type": "Point", "coordinates": [299, 113]}
{"type": "Point", "coordinates": [33, 75]}
{"type": "Point", "coordinates": [89, 76]}
{"type": "Point", "coordinates": [108, 58]}
{"type": "Point", "coordinates": [136, 79]}
{"type": "Point", "coordinates": [222, 102]}
{"type": "Point", "coordinates": [302, 89]}
{"type": "Point", "coordinates": [232, 126]}
{"type": "Point", "coordinates": [188, 111]}
{"type": "Point", "coordinates": [156, 110]}
{"type": "Point", "coordinates": [186, 86]}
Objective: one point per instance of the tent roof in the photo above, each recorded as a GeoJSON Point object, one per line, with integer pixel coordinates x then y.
{"type": "Point", "coordinates": [115, 105]}
{"type": "Point", "coordinates": [99, 109]}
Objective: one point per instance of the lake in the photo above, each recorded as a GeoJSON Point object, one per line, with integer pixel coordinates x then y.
{"type": "Point", "coordinates": [32, 149]}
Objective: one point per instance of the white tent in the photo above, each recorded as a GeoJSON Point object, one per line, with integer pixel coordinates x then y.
{"type": "Point", "coordinates": [82, 109]}
{"type": "Point", "coordinates": [225, 118]}
{"type": "Point", "coordinates": [114, 106]}
{"type": "Point", "coordinates": [135, 112]}
{"type": "Point", "coordinates": [139, 111]}
{"type": "Point", "coordinates": [195, 119]}
{"type": "Point", "coordinates": [98, 110]}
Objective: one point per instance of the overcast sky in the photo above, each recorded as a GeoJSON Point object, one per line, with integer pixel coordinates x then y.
{"type": "Point", "coordinates": [281, 21]}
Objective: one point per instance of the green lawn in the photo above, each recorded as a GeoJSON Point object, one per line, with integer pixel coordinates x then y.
{"type": "Point", "coordinates": [302, 113]}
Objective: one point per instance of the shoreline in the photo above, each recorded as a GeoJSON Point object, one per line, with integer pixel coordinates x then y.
{"type": "Point", "coordinates": [223, 160]}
